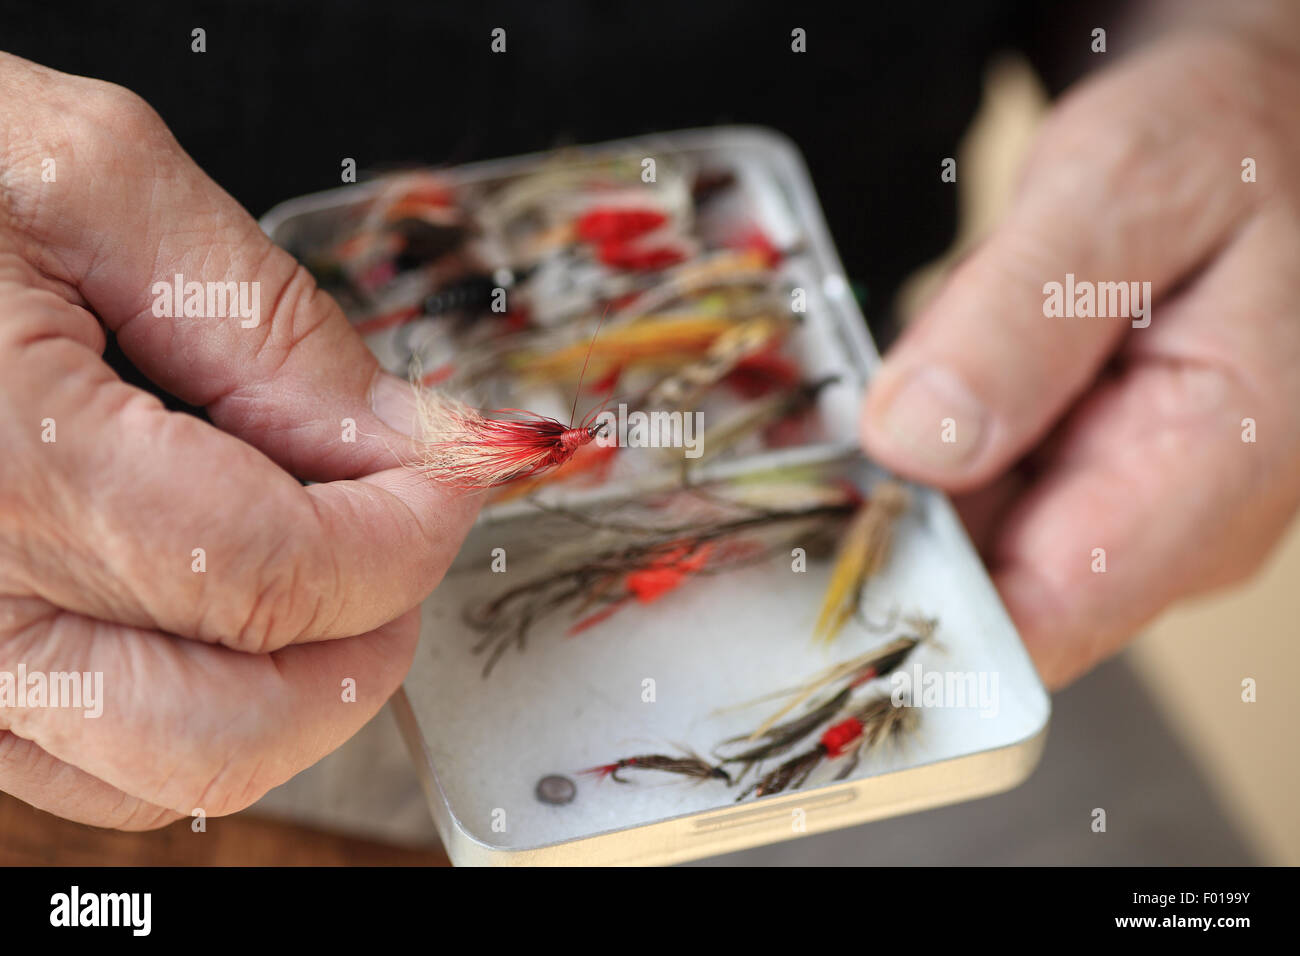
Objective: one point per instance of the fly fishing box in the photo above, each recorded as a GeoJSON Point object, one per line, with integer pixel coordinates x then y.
{"type": "Point", "coordinates": [611, 733]}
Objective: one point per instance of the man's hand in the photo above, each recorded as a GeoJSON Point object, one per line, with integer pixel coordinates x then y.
{"type": "Point", "coordinates": [223, 676]}
{"type": "Point", "coordinates": [1075, 434]}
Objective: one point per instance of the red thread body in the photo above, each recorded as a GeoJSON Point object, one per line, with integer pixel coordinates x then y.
{"type": "Point", "coordinates": [839, 736]}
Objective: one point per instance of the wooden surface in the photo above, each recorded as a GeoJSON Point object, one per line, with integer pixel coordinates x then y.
{"type": "Point", "coordinates": [29, 837]}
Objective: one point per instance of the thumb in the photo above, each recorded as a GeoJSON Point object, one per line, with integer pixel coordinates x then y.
{"type": "Point", "coordinates": [996, 357]}
{"type": "Point", "coordinates": [287, 376]}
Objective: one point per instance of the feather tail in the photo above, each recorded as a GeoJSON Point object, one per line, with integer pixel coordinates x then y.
{"type": "Point", "coordinates": [863, 552]}
{"type": "Point", "coordinates": [464, 448]}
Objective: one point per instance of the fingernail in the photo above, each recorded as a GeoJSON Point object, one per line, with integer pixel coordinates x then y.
{"type": "Point", "coordinates": [934, 418]}
{"type": "Point", "coordinates": [393, 402]}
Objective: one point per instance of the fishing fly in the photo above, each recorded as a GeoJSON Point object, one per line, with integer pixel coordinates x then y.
{"type": "Point", "coordinates": [658, 561]}
{"type": "Point", "coordinates": [876, 723]}
{"type": "Point", "coordinates": [465, 448]}
{"type": "Point", "coordinates": [686, 766]}
{"type": "Point", "coordinates": [772, 739]}
{"type": "Point", "coordinates": [863, 551]}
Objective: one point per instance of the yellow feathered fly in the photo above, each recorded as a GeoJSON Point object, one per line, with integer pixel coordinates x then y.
{"type": "Point", "coordinates": [863, 552]}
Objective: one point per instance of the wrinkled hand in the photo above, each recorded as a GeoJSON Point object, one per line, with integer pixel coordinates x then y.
{"type": "Point", "coordinates": [219, 683]}
{"type": "Point", "coordinates": [1075, 434]}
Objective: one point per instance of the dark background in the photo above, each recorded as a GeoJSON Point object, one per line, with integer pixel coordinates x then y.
{"type": "Point", "coordinates": [288, 88]}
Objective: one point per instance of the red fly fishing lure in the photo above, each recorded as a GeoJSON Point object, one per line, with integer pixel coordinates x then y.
{"type": "Point", "coordinates": [665, 572]}
{"type": "Point", "coordinates": [468, 449]}
{"type": "Point", "coordinates": [776, 739]}
{"type": "Point", "coordinates": [643, 571]}
{"type": "Point", "coordinates": [871, 726]}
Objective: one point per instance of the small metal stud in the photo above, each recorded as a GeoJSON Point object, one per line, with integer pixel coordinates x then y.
{"type": "Point", "coordinates": [556, 790]}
